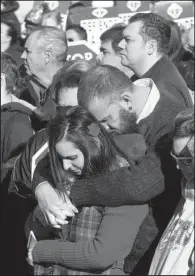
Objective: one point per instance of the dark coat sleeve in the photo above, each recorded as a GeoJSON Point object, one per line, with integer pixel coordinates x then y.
{"type": "Point", "coordinates": [99, 253]}
{"type": "Point", "coordinates": [137, 184]}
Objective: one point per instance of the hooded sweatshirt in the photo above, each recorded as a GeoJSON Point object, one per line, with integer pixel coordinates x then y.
{"type": "Point", "coordinates": [16, 129]}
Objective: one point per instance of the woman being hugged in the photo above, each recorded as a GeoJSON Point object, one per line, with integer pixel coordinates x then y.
{"type": "Point", "coordinates": [97, 239]}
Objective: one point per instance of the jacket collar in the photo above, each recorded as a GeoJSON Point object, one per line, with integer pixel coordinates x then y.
{"type": "Point", "coordinates": [152, 100]}
{"type": "Point", "coordinates": [155, 68]}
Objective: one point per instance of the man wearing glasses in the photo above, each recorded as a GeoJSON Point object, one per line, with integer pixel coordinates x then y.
{"type": "Point", "coordinates": [175, 252]}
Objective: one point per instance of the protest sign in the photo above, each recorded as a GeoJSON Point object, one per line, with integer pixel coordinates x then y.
{"type": "Point", "coordinates": [81, 50]}
{"type": "Point", "coordinates": [60, 6]}
{"type": "Point", "coordinates": [181, 12]}
{"type": "Point", "coordinates": [95, 21]}
{"type": "Point", "coordinates": [126, 9]}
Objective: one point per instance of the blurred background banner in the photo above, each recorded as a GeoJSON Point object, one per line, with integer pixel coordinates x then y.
{"type": "Point", "coordinates": [181, 12]}
{"type": "Point", "coordinates": [81, 50]}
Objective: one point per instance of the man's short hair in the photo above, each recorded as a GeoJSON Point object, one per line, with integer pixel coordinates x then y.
{"type": "Point", "coordinates": [79, 30]}
{"type": "Point", "coordinates": [10, 69]}
{"type": "Point", "coordinates": [103, 82]}
{"type": "Point", "coordinates": [154, 27]}
{"type": "Point", "coordinates": [51, 35]}
{"type": "Point", "coordinates": [115, 35]}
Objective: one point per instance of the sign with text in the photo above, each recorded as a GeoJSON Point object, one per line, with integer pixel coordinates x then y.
{"type": "Point", "coordinates": [181, 12]}
{"type": "Point", "coordinates": [81, 50]}
{"type": "Point", "coordinates": [95, 21]}
{"type": "Point", "coordinates": [126, 9]}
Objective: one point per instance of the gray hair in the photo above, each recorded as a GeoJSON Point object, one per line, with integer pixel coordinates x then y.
{"type": "Point", "coordinates": [47, 35]}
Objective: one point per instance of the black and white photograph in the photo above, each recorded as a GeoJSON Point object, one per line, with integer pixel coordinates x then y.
{"type": "Point", "coordinates": [97, 138]}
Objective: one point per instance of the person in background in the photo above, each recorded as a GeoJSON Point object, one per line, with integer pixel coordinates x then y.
{"type": "Point", "coordinates": [175, 252]}
{"type": "Point", "coordinates": [75, 8]}
{"type": "Point", "coordinates": [44, 54]}
{"type": "Point", "coordinates": [53, 19]}
{"type": "Point", "coordinates": [33, 19]}
{"type": "Point", "coordinates": [75, 33]}
{"type": "Point", "coordinates": [8, 9]}
{"type": "Point", "coordinates": [144, 50]}
{"type": "Point", "coordinates": [103, 4]}
{"type": "Point", "coordinates": [110, 51]}
{"type": "Point", "coordinates": [16, 126]}
{"type": "Point", "coordinates": [175, 47]}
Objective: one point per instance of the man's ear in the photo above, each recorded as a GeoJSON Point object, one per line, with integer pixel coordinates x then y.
{"type": "Point", "coordinates": [125, 101]}
{"type": "Point", "coordinates": [48, 54]}
{"type": "Point", "coordinates": [151, 47]}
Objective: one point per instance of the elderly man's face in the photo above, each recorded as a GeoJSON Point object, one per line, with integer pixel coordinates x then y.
{"type": "Point", "coordinates": [33, 58]}
{"type": "Point", "coordinates": [113, 116]}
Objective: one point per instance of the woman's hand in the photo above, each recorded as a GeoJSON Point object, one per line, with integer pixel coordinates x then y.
{"type": "Point", "coordinates": [55, 209]}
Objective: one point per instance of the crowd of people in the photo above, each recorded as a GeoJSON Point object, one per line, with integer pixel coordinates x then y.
{"type": "Point", "coordinates": [97, 158]}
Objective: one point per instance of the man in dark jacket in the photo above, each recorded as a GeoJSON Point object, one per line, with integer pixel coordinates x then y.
{"type": "Point", "coordinates": [16, 126]}
{"type": "Point", "coordinates": [144, 50]}
{"type": "Point", "coordinates": [153, 113]}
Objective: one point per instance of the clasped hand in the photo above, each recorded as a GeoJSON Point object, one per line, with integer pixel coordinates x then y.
{"type": "Point", "coordinates": [54, 208]}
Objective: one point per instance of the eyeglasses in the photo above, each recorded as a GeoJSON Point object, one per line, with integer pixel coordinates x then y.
{"type": "Point", "coordinates": [183, 160]}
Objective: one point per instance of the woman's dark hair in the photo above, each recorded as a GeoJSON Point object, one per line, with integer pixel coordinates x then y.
{"type": "Point", "coordinates": [72, 124]}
